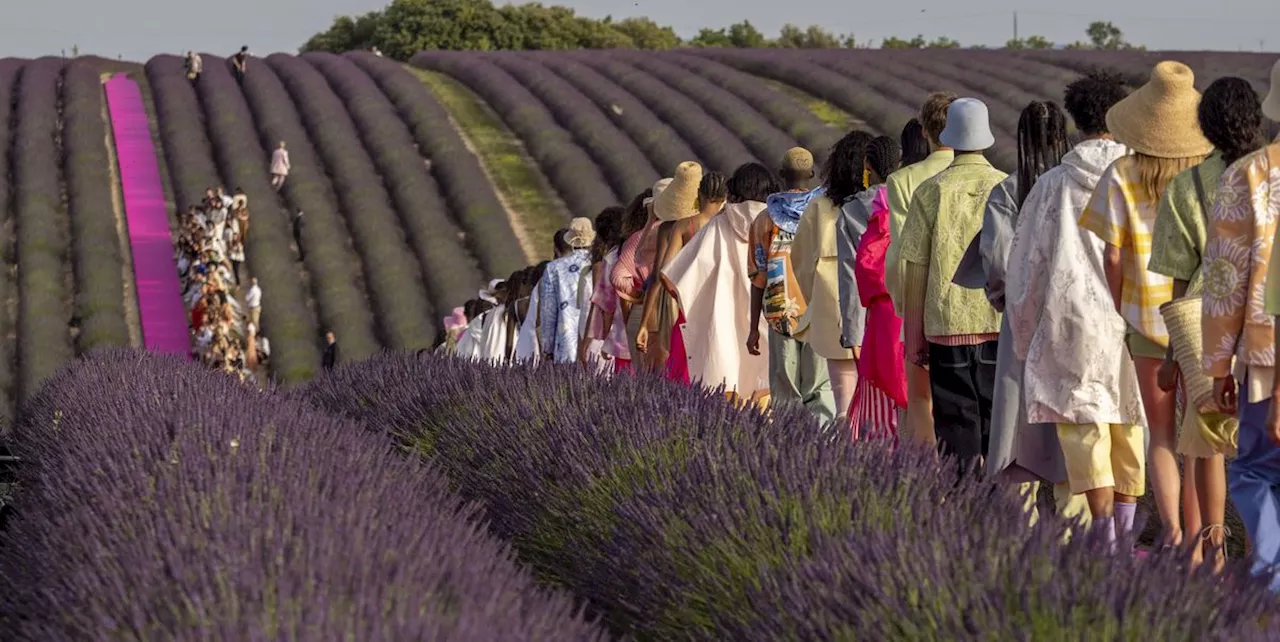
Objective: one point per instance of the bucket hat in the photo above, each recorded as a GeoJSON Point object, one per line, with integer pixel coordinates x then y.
{"type": "Point", "coordinates": [1159, 119]}
{"type": "Point", "coordinates": [968, 126]}
{"type": "Point", "coordinates": [1271, 106]}
{"type": "Point", "coordinates": [658, 188]}
{"type": "Point", "coordinates": [679, 200]}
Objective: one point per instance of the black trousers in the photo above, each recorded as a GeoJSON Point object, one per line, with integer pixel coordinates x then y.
{"type": "Point", "coordinates": [963, 381]}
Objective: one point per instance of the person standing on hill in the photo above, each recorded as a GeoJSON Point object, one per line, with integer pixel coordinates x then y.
{"type": "Point", "coordinates": [1230, 116]}
{"type": "Point", "coordinates": [240, 63]}
{"type": "Point", "coordinates": [560, 318]}
{"type": "Point", "coordinates": [330, 358]}
{"type": "Point", "coordinates": [253, 301]}
{"type": "Point", "coordinates": [901, 186]}
{"type": "Point", "coordinates": [279, 166]}
{"type": "Point", "coordinates": [951, 330]}
{"type": "Point", "coordinates": [195, 66]}
{"type": "Point", "coordinates": [1158, 123]}
{"type": "Point", "coordinates": [815, 258]}
{"type": "Point", "coordinates": [796, 373]}
{"type": "Point", "coordinates": [240, 209]}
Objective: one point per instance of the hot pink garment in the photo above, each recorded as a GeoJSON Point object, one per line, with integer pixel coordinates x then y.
{"type": "Point", "coordinates": [635, 262]}
{"type": "Point", "coordinates": [881, 368]}
{"type": "Point", "coordinates": [678, 359]}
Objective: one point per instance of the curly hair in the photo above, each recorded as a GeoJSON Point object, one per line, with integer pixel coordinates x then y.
{"type": "Point", "coordinates": [752, 182]}
{"type": "Point", "coordinates": [933, 114]}
{"type": "Point", "coordinates": [714, 188]}
{"type": "Point", "coordinates": [842, 174]}
{"type": "Point", "coordinates": [913, 144]}
{"type": "Point", "coordinates": [1090, 97]}
{"type": "Point", "coordinates": [883, 156]}
{"type": "Point", "coordinates": [1042, 142]}
{"type": "Point", "coordinates": [1230, 116]}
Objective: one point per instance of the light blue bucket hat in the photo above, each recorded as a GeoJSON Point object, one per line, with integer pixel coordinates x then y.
{"type": "Point", "coordinates": [968, 126]}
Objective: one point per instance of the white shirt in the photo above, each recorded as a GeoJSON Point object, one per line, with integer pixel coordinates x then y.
{"type": "Point", "coordinates": [253, 298]}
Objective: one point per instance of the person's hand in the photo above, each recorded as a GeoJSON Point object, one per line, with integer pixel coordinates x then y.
{"type": "Point", "coordinates": [642, 340]}
{"type": "Point", "coordinates": [1224, 393]}
{"type": "Point", "coordinates": [1167, 376]}
{"type": "Point", "coordinates": [753, 341]}
{"type": "Point", "coordinates": [1273, 425]}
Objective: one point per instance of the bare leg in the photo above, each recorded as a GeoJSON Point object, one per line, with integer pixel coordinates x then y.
{"type": "Point", "coordinates": [1161, 418]}
{"type": "Point", "coordinates": [1191, 517]}
{"type": "Point", "coordinates": [1211, 488]}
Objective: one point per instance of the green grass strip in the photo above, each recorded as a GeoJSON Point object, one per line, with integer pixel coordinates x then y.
{"type": "Point", "coordinates": [520, 184]}
{"type": "Point", "coordinates": [825, 111]}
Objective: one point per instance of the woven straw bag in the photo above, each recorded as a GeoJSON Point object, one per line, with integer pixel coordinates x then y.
{"type": "Point", "coordinates": [1182, 318]}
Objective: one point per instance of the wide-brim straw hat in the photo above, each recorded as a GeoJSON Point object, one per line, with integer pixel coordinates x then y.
{"type": "Point", "coordinates": [658, 188]}
{"type": "Point", "coordinates": [1160, 119]}
{"type": "Point", "coordinates": [968, 126]}
{"type": "Point", "coordinates": [679, 200]}
{"type": "Point", "coordinates": [581, 233]}
{"type": "Point", "coordinates": [1271, 106]}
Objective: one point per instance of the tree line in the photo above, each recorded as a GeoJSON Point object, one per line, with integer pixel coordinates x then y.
{"type": "Point", "coordinates": [409, 26]}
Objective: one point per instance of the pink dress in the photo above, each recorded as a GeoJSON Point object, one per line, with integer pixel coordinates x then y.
{"type": "Point", "coordinates": [678, 360]}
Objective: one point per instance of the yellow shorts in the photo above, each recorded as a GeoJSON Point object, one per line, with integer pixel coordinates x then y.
{"type": "Point", "coordinates": [1102, 455]}
{"type": "Point", "coordinates": [1193, 442]}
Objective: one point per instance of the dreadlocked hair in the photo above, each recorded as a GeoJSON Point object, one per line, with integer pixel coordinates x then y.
{"type": "Point", "coordinates": [714, 188]}
{"type": "Point", "coordinates": [843, 175]}
{"type": "Point", "coordinates": [1042, 142]}
{"type": "Point", "coordinates": [1230, 116]}
{"type": "Point", "coordinates": [883, 156]}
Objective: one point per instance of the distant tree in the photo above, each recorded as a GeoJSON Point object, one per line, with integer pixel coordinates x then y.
{"type": "Point", "coordinates": [815, 37]}
{"type": "Point", "coordinates": [647, 34]}
{"type": "Point", "coordinates": [894, 42]}
{"type": "Point", "coordinates": [711, 38]}
{"type": "Point", "coordinates": [1104, 35]}
{"type": "Point", "coordinates": [1030, 42]}
{"type": "Point", "coordinates": [744, 35]}
{"type": "Point", "coordinates": [346, 33]}
{"type": "Point", "coordinates": [944, 43]}
{"type": "Point", "coordinates": [849, 42]}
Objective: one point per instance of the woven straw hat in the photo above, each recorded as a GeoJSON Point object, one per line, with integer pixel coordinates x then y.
{"type": "Point", "coordinates": [1271, 106]}
{"type": "Point", "coordinates": [658, 188]}
{"type": "Point", "coordinates": [798, 159]}
{"type": "Point", "coordinates": [1159, 119]}
{"type": "Point", "coordinates": [581, 233]}
{"type": "Point", "coordinates": [679, 200]}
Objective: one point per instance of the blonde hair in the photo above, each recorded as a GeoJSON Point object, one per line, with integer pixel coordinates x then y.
{"type": "Point", "coordinates": [1154, 173]}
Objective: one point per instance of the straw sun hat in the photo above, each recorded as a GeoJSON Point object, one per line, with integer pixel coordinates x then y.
{"type": "Point", "coordinates": [581, 233]}
{"type": "Point", "coordinates": [1159, 119]}
{"type": "Point", "coordinates": [679, 200]}
{"type": "Point", "coordinates": [658, 188]}
{"type": "Point", "coordinates": [1271, 106]}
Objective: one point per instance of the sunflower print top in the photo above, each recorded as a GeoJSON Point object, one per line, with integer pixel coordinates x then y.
{"type": "Point", "coordinates": [1242, 227]}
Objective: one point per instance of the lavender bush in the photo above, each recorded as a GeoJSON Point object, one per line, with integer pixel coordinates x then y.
{"type": "Point", "coordinates": [98, 264]}
{"type": "Point", "coordinates": [659, 142]}
{"type": "Point", "coordinates": [40, 217]}
{"type": "Point", "coordinates": [471, 198]}
{"type": "Point", "coordinates": [571, 171]}
{"type": "Point", "coordinates": [9, 71]}
{"type": "Point", "coordinates": [719, 147]}
{"type": "Point", "coordinates": [188, 507]}
{"type": "Point", "coordinates": [760, 136]}
{"type": "Point", "coordinates": [394, 275]}
{"type": "Point", "coordinates": [286, 318]}
{"type": "Point", "coordinates": [680, 517]}
{"type": "Point", "coordinates": [784, 112]}
{"type": "Point", "coordinates": [628, 170]}
{"type": "Point", "coordinates": [337, 283]}
{"type": "Point", "coordinates": [452, 273]}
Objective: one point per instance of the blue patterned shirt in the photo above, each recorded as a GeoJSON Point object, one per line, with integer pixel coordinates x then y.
{"type": "Point", "coordinates": [559, 305]}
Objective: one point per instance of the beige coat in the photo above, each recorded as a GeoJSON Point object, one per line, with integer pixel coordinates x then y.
{"type": "Point", "coordinates": [814, 258]}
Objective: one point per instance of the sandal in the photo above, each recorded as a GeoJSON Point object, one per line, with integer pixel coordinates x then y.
{"type": "Point", "coordinates": [1218, 551]}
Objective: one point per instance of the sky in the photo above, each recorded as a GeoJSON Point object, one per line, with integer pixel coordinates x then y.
{"type": "Point", "coordinates": [139, 29]}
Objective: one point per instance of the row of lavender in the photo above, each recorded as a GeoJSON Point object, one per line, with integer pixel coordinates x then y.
{"type": "Point", "coordinates": [679, 517]}
{"type": "Point", "coordinates": [602, 124]}
{"type": "Point", "coordinates": [184, 506]}
{"type": "Point", "coordinates": [58, 236]}
{"type": "Point", "coordinates": [400, 222]}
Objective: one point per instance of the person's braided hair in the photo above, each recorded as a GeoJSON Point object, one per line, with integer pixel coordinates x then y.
{"type": "Point", "coordinates": [1230, 115]}
{"type": "Point", "coordinates": [1042, 142]}
{"type": "Point", "coordinates": [884, 154]}
{"type": "Point", "coordinates": [714, 188]}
